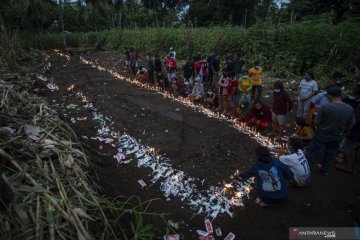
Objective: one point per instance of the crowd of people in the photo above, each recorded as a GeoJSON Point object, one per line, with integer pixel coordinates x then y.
{"type": "Point", "coordinates": [325, 119]}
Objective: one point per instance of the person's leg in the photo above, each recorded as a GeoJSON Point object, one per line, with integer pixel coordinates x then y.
{"type": "Point", "coordinates": [331, 149]}
{"type": "Point", "coordinates": [253, 92]}
{"type": "Point", "coordinates": [274, 123]}
{"type": "Point", "coordinates": [300, 109]}
{"type": "Point", "coordinates": [220, 103]}
{"type": "Point", "coordinates": [226, 103]}
{"type": "Point", "coordinates": [281, 119]}
{"type": "Point", "coordinates": [264, 124]}
{"type": "Point", "coordinates": [259, 90]}
{"type": "Point", "coordinates": [315, 145]}
{"type": "Point", "coordinates": [306, 108]}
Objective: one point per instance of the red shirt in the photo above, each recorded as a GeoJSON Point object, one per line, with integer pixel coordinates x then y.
{"type": "Point", "coordinates": [196, 68]}
{"type": "Point", "coordinates": [233, 86]}
{"type": "Point", "coordinates": [203, 67]}
{"type": "Point", "coordinates": [170, 65]}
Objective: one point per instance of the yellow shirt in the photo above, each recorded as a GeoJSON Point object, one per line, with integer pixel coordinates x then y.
{"type": "Point", "coordinates": [307, 132]}
{"type": "Point", "coordinates": [256, 76]}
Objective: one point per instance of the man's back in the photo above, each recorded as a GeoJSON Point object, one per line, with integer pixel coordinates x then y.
{"type": "Point", "coordinates": [334, 117]}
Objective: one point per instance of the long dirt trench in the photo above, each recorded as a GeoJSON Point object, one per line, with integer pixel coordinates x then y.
{"type": "Point", "coordinates": [202, 147]}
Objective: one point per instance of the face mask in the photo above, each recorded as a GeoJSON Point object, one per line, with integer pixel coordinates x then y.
{"type": "Point", "coordinates": [307, 78]}
{"type": "Point", "coordinates": [276, 90]}
{"type": "Point", "coordinates": [257, 67]}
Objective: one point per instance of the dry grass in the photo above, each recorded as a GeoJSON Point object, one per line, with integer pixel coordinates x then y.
{"type": "Point", "coordinates": [45, 191]}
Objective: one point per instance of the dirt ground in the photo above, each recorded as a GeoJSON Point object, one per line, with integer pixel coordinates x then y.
{"type": "Point", "coordinates": [200, 146]}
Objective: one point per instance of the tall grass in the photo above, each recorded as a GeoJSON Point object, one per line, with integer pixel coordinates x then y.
{"type": "Point", "coordinates": [283, 50]}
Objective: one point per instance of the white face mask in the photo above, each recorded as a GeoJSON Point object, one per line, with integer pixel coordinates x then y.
{"type": "Point", "coordinates": [276, 90]}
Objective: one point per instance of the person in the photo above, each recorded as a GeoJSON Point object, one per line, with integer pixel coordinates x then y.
{"type": "Point", "coordinates": [282, 104]}
{"type": "Point", "coordinates": [270, 178]}
{"type": "Point", "coordinates": [351, 147]}
{"type": "Point", "coordinates": [151, 68]}
{"type": "Point", "coordinates": [255, 74]}
{"type": "Point", "coordinates": [127, 58]}
{"type": "Point", "coordinates": [307, 89]}
{"type": "Point", "coordinates": [203, 72]}
{"type": "Point", "coordinates": [316, 102]}
{"type": "Point", "coordinates": [259, 115]}
{"type": "Point", "coordinates": [332, 121]}
{"type": "Point", "coordinates": [210, 61]}
{"type": "Point", "coordinates": [172, 52]}
{"type": "Point", "coordinates": [216, 66]}
{"type": "Point", "coordinates": [197, 92]}
{"type": "Point", "coordinates": [157, 67]}
{"type": "Point", "coordinates": [297, 163]}
{"type": "Point", "coordinates": [178, 87]}
{"type": "Point", "coordinates": [304, 131]}
{"type": "Point", "coordinates": [354, 98]}
{"type": "Point", "coordinates": [230, 63]}
{"type": "Point", "coordinates": [233, 94]}
{"type": "Point", "coordinates": [188, 72]}
{"type": "Point", "coordinates": [133, 61]}
{"type": "Point", "coordinates": [244, 87]}
{"type": "Point", "coordinates": [337, 78]}
{"type": "Point", "coordinates": [197, 66]}
{"type": "Point", "coordinates": [142, 74]}
{"type": "Point", "coordinates": [211, 99]}
{"type": "Point", "coordinates": [161, 83]}
{"type": "Point", "coordinates": [238, 65]}
{"type": "Point", "coordinates": [171, 67]}
{"type": "Point", "coordinates": [223, 86]}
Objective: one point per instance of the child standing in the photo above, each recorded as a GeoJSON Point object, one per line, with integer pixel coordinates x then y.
{"type": "Point", "coordinates": [233, 94]}
{"type": "Point", "coordinates": [171, 67]}
{"type": "Point", "coordinates": [127, 58]}
{"type": "Point", "coordinates": [255, 74]}
{"type": "Point", "coordinates": [223, 85]}
{"type": "Point", "coordinates": [282, 104]}
{"type": "Point", "coordinates": [270, 178]}
{"type": "Point", "coordinates": [245, 86]}
{"type": "Point", "coordinates": [188, 72]}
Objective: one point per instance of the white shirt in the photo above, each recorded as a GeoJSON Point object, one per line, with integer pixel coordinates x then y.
{"type": "Point", "coordinates": [299, 165]}
{"type": "Point", "coordinates": [306, 87]}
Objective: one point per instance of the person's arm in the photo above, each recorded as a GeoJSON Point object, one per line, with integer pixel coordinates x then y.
{"type": "Point", "coordinates": [319, 116]}
{"type": "Point", "coordinates": [250, 85]}
{"type": "Point", "coordinates": [289, 101]}
{"type": "Point", "coordinates": [288, 174]}
{"type": "Point", "coordinates": [250, 115]}
{"type": "Point", "coordinates": [313, 92]}
{"type": "Point", "coordinates": [267, 113]}
{"type": "Point", "coordinates": [249, 173]}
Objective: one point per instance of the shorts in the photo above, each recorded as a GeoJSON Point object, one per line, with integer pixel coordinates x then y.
{"type": "Point", "coordinates": [280, 119]}
{"type": "Point", "coordinates": [127, 62]}
{"type": "Point", "coordinates": [171, 75]}
{"type": "Point", "coordinates": [234, 101]}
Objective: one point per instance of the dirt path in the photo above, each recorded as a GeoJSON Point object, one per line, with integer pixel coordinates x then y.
{"type": "Point", "coordinates": [202, 147]}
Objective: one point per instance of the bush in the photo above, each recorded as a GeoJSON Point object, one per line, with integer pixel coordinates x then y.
{"type": "Point", "coordinates": [284, 50]}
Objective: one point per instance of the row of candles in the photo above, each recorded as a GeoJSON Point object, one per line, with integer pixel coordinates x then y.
{"type": "Point", "coordinates": [228, 189]}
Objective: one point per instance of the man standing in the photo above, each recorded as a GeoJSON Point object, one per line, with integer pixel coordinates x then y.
{"type": "Point", "coordinates": [332, 121]}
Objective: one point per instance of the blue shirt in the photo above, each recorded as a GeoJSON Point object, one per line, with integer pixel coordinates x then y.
{"type": "Point", "coordinates": [320, 100]}
{"type": "Point", "coordinates": [270, 178]}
